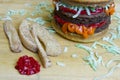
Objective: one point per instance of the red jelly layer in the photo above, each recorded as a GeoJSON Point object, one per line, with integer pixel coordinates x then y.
{"type": "Point", "coordinates": [83, 12]}
{"type": "Point", "coordinates": [27, 65]}
{"type": "Point", "coordinates": [61, 22]}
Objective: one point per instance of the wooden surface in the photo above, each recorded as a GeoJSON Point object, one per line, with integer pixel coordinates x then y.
{"type": "Point", "coordinates": [75, 69]}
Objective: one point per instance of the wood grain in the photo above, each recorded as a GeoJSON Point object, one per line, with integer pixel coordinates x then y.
{"type": "Point", "coordinates": [75, 69]}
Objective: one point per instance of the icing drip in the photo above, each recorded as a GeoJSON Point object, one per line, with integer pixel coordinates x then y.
{"type": "Point", "coordinates": [57, 6]}
{"type": "Point", "coordinates": [88, 11]}
{"type": "Point", "coordinates": [81, 30]}
{"type": "Point", "coordinates": [79, 11]}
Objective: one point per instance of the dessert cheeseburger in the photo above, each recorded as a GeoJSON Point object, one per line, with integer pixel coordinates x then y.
{"type": "Point", "coordinates": [82, 20]}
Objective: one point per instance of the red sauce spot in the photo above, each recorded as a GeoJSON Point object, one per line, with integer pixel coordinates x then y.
{"type": "Point", "coordinates": [59, 20]}
{"type": "Point", "coordinates": [100, 24]}
{"type": "Point", "coordinates": [65, 9]}
{"type": "Point", "coordinates": [98, 10]}
{"type": "Point", "coordinates": [27, 65]}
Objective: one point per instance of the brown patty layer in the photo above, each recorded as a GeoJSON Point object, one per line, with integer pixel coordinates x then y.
{"type": "Point", "coordinates": [99, 29]}
{"type": "Point", "coordinates": [82, 19]}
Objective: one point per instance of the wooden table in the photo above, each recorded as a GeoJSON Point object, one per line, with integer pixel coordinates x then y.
{"type": "Point", "coordinates": [75, 68]}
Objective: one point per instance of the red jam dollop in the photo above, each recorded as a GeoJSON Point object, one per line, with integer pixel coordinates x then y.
{"type": "Point", "coordinates": [27, 65]}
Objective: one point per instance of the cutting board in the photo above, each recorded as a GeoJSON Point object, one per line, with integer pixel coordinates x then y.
{"type": "Point", "coordinates": [74, 69]}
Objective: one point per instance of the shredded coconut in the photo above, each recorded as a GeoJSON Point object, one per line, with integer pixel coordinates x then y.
{"type": "Point", "coordinates": [109, 40]}
{"type": "Point", "coordinates": [57, 6]}
{"type": "Point", "coordinates": [77, 14]}
{"type": "Point", "coordinates": [38, 9]}
{"type": "Point", "coordinates": [88, 49]}
{"type": "Point", "coordinates": [117, 15]}
{"type": "Point", "coordinates": [94, 45]}
{"type": "Point", "coordinates": [88, 11]}
{"type": "Point", "coordinates": [60, 64]}
{"type": "Point", "coordinates": [38, 20]}
{"type": "Point", "coordinates": [65, 49]}
{"type": "Point", "coordinates": [93, 59]}
{"type": "Point", "coordinates": [113, 36]}
{"type": "Point", "coordinates": [106, 7]}
{"type": "Point", "coordinates": [74, 55]}
{"type": "Point", "coordinates": [109, 73]}
{"type": "Point", "coordinates": [113, 60]}
{"type": "Point", "coordinates": [16, 12]}
{"type": "Point", "coordinates": [118, 31]}
{"type": "Point", "coordinates": [106, 38]}
{"type": "Point", "coordinates": [110, 48]}
{"type": "Point", "coordinates": [6, 18]}
{"type": "Point", "coordinates": [51, 30]}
